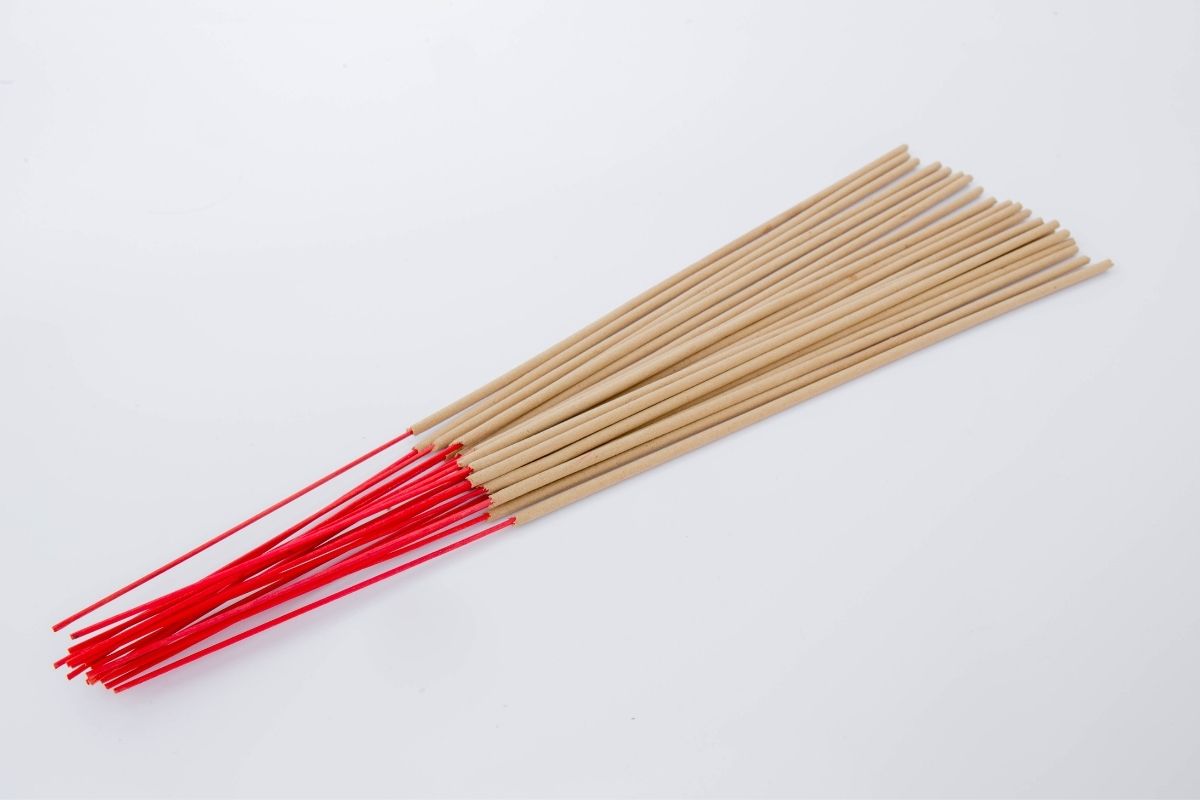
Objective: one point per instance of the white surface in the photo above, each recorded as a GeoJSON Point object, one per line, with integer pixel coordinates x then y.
{"type": "Point", "coordinates": [241, 244]}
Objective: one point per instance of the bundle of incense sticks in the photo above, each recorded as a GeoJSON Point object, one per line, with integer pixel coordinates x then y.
{"type": "Point", "coordinates": [890, 259]}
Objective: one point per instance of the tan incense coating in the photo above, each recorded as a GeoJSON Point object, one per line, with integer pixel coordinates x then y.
{"type": "Point", "coordinates": [598, 483]}
{"type": "Point", "coordinates": [502, 447]}
{"type": "Point", "coordinates": [730, 411]}
{"type": "Point", "coordinates": [798, 300]}
{"type": "Point", "coordinates": [704, 315]}
{"type": "Point", "coordinates": [850, 311]}
{"type": "Point", "coordinates": [509, 405]}
{"type": "Point", "coordinates": [605, 443]}
{"type": "Point", "coordinates": [757, 371]}
{"type": "Point", "coordinates": [890, 258]}
{"type": "Point", "coordinates": [929, 223]}
{"type": "Point", "coordinates": [614, 319]}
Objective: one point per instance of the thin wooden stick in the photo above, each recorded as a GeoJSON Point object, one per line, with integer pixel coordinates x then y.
{"type": "Point", "coordinates": [963, 232]}
{"type": "Point", "coordinates": [932, 222]}
{"type": "Point", "coordinates": [967, 231]}
{"type": "Point", "coordinates": [617, 350]}
{"type": "Point", "coordinates": [626, 413]}
{"type": "Point", "coordinates": [848, 312]}
{"type": "Point", "coordinates": [625, 429]}
{"type": "Point", "coordinates": [967, 282]}
{"type": "Point", "coordinates": [526, 393]}
{"type": "Point", "coordinates": [619, 316]}
{"type": "Point", "coordinates": [578, 492]}
{"type": "Point", "coordinates": [727, 413]}
{"type": "Point", "coordinates": [960, 237]}
{"type": "Point", "coordinates": [703, 313]}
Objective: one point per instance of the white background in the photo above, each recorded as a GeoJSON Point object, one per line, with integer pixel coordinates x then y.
{"type": "Point", "coordinates": [241, 244]}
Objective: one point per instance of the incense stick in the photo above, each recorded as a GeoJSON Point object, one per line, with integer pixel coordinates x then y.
{"type": "Point", "coordinates": [620, 316]}
{"type": "Point", "coordinates": [740, 368]}
{"type": "Point", "coordinates": [631, 429]}
{"type": "Point", "coordinates": [886, 261]}
{"type": "Point", "coordinates": [590, 487]}
{"type": "Point", "coordinates": [523, 395]}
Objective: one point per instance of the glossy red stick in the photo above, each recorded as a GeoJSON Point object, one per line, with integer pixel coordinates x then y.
{"type": "Point", "coordinates": [227, 617]}
{"type": "Point", "coordinates": [203, 597]}
{"type": "Point", "coordinates": [226, 534]}
{"type": "Point", "coordinates": [259, 550]}
{"type": "Point", "coordinates": [129, 684]}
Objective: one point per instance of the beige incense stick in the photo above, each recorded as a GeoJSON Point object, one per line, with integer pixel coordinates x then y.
{"type": "Point", "coordinates": [501, 448]}
{"type": "Point", "coordinates": [847, 312]}
{"type": "Point", "coordinates": [1004, 215]}
{"type": "Point", "coordinates": [932, 222]}
{"type": "Point", "coordinates": [945, 235]}
{"type": "Point", "coordinates": [531, 391]}
{"type": "Point", "coordinates": [626, 413]}
{"type": "Point", "coordinates": [702, 313]}
{"type": "Point", "coordinates": [744, 406]}
{"type": "Point", "coordinates": [1057, 246]}
{"type": "Point", "coordinates": [618, 349]}
{"type": "Point", "coordinates": [968, 282]}
{"type": "Point", "coordinates": [907, 260]}
{"type": "Point", "coordinates": [589, 487]}
{"type": "Point", "coordinates": [619, 316]}
{"type": "Point", "coordinates": [627, 432]}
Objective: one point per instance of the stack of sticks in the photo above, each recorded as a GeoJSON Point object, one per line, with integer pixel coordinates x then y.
{"type": "Point", "coordinates": [886, 261]}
